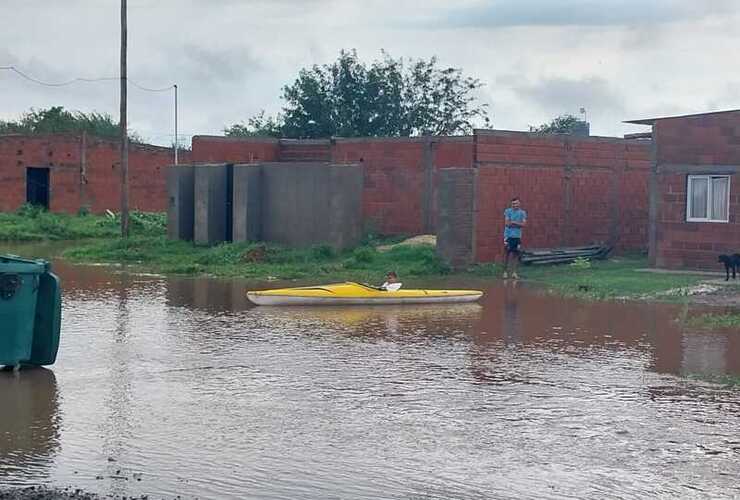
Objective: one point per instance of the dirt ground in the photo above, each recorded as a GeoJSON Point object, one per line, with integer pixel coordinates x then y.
{"type": "Point", "coordinates": [718, 293]}
{"type": "Point", "coordinates": [44, 493]}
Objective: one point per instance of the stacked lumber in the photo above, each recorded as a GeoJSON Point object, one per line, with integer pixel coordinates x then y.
{"type": "Point", "coordinates": [564, 255]}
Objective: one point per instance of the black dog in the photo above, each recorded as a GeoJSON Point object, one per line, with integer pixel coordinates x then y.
{"type": "Point", "coordinates": [730, 262]}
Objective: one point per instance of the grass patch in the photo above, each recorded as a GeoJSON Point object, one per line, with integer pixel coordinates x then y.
{"type": "Point", "coordinates": [261, 261]}
{"type": "Point", "coordinates": [726, 380]}
{"type": "Point", "coordinates": [149, 250]}
{"type": "Point", "coordinates": [715, 320]}
{"type": "Point", "coordinates": [31, 223]}
{"type": "Point", "coordinates": [610, 279]}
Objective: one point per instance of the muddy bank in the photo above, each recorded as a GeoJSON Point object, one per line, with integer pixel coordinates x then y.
{"type": "Point", "coordinates": [718, 293]}
{"type": "Point", "coordinates": [44, 493]}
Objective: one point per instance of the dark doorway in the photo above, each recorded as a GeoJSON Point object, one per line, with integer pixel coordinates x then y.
{"type": "Point", "coordinates": [37, 186]}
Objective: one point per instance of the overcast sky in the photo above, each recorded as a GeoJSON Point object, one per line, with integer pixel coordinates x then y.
{"type": "Point", "coordinates": [619, 59]}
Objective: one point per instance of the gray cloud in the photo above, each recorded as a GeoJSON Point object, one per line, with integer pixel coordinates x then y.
{"type": "Point", "coordinates": [225, 65]}
{"type": "Point", "coordinates": [511, 13]}
{"type": "Point", "coordinates": [230, 58]}
{"type": "Point", "coordinates": [556, 96]}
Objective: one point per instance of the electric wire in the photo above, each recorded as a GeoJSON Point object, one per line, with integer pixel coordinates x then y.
{"type": "Point", "coordinates": [84, 80]}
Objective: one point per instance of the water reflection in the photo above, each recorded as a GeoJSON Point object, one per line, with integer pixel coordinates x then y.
{"type": "Point", "coordinates": [511, 322]}
{"type": "Point", "coordinates": [29, 422]}
{"type": "Point", "coordinates": [380, 321]}
{"type": "Point", "coordinates": [117, 428]}
{"type": "Point", "coordinates": [208, 294]}
{"type": "Point", "coordinates": [515, 315]}
{"type": "Point", "coordinates": [182, 383]}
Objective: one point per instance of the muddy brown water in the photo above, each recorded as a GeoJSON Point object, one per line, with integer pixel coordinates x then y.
{"type": "Point", "coordinates": [172, 386]}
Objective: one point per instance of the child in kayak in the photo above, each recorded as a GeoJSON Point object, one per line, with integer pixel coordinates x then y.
{"type": "Point", "coordinates": [391, 282]}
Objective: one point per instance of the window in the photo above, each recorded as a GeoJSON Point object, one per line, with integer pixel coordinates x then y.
{"type": "Point", "coordinates": [708, 198]}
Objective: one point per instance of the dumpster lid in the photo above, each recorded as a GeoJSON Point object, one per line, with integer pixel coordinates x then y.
{"type": "Point", "coordinates": [14, 264]}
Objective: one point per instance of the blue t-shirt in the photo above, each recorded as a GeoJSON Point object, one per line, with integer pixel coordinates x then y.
{"type": "Point", "coordinates": [516, 215]}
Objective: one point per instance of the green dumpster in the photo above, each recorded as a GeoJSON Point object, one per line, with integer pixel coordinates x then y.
{"type": "Point", "coordinates": [30, 312]}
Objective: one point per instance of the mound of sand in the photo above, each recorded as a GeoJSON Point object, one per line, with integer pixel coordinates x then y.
{"type": "Point", "coordinates": [422, 239]}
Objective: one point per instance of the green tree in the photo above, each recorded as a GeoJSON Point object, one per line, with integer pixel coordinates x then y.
{"type": "Point", "coordinates": [56, 120]}
{"type": "Point", "coordinates": [563, 124]}
{"type": "Point", "coordinates": [256, 126]}
{"type": "Point", "coordinates": [390, 97]}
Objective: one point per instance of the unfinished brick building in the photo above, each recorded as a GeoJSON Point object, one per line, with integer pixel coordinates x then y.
{"type": "Point", "coordinates": [694, 197]}
{"type": "Point", "coordinates": [577, 190]}
{"type": "Point", "coordinates": [65, 173]}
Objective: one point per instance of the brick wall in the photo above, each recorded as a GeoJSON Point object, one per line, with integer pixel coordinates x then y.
{"type": "Point", "coordinates": [207, 148]}
{"type": "Point", "coordinates": [397, 197]}
{"type": "Point", "coordinates": [701, 144]}
{"type": "Point", "coordinates": [64, 154]}
{"type": "Point", "coordinates": [708, 139]}
{"type": "Point", "coordinates": [449, 152]}
{"type": "Point", "coordinates": [576, 190]}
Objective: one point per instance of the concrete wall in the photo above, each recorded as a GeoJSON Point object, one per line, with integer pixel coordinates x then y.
{"type": "Point", "coordinates": [83, 172]}
{"type": "Point", "coordinates": [693, 145]}
{"type": "Point", "coordinates": [455, 227]}
{"type": "Point", "coordinates": [211, 203]}
{"type": "Point", "coordinates": [576, 190]}
{"type": "Point", "coordinates": [296, 204]}
{"type": "Point", "coordinates": [306, 204]}
{"type": "Point", "coordinates": [247, 203]}
{"type": "Point", "coordinates": [181, 207]}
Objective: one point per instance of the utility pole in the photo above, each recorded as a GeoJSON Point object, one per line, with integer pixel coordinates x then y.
{"type": "Point", "coordinates": [124, 132]}
{"type": "Point", "coordinates": [176, 142]}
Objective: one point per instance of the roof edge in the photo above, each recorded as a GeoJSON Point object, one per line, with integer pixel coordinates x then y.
{"type": "Point", "coordinates": [651, 121]}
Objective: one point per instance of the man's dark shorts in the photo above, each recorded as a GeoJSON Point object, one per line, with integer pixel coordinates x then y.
{"type": "Point", "coordinates": [512, 245]}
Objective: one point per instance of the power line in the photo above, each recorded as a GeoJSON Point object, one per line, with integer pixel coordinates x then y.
{"type": "Point", "coordinates": [163, 89]}
{"type": "Point", "coordinates": [175, 136]}
{"type": "Point", "coordinates": [80, 79]}
{"type": "Point", "coordinates": [61, 84]}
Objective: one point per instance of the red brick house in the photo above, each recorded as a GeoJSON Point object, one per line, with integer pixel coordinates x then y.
{"type": "Point", "coordinates": [694, 210]}
{"type": "Point", "coordinates": [65, 172]}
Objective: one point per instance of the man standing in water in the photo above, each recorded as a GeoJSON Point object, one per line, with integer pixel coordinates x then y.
{"type": "Point", "coordinates": [514, 220]}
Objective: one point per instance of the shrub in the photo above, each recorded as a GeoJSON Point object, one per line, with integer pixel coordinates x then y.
{"type": "Point", "coordinates": [322, 252]}
{"type": "Point", "coordinates": [364, 255]}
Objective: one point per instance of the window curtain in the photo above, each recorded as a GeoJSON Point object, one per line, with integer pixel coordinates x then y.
{"type": "Point", "coordinates": [720, 192]}
{"type": "Point", "coordinates": [699, 193]}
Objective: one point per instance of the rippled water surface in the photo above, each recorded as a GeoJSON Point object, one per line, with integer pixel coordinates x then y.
{"type": "Point", "coordinates": [170, 386]}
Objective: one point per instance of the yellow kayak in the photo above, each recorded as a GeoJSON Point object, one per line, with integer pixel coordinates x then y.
{"type": "Point", "coordinates": [354, 293]}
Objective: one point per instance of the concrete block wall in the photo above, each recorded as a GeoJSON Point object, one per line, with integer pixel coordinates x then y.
{"type": "Point", "coordinates": [345, 205]}
{"type": "Point", "coordinates": [181, 202]}
{"type": "Point", "coordinates": [83, 172]}
{"type": "Point", "coordinates": [306, 203]}
{"type": "Point", "coordinates": [694, 145]}
{"type": "Point", "coordinates": [456, 202]}
{"type": "Point", "coordinates": [247, 196]}
{"type": "Point", "coordinates": [576, 190]}
{"type": "Point", "coordinates": [293, 203]}
{"type": "Point", "coordinates": [211, 219]}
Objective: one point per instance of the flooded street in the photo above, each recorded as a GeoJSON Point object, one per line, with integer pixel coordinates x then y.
{"type": "Point", "coordinates": [177, 386]}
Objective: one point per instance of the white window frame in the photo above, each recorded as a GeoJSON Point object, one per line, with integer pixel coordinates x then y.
{"type": "Point", "coordinates": [708, 178]}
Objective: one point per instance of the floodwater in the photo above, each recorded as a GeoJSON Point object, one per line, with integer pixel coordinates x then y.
{"type": "Point", "coordinates": [171, 386]}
